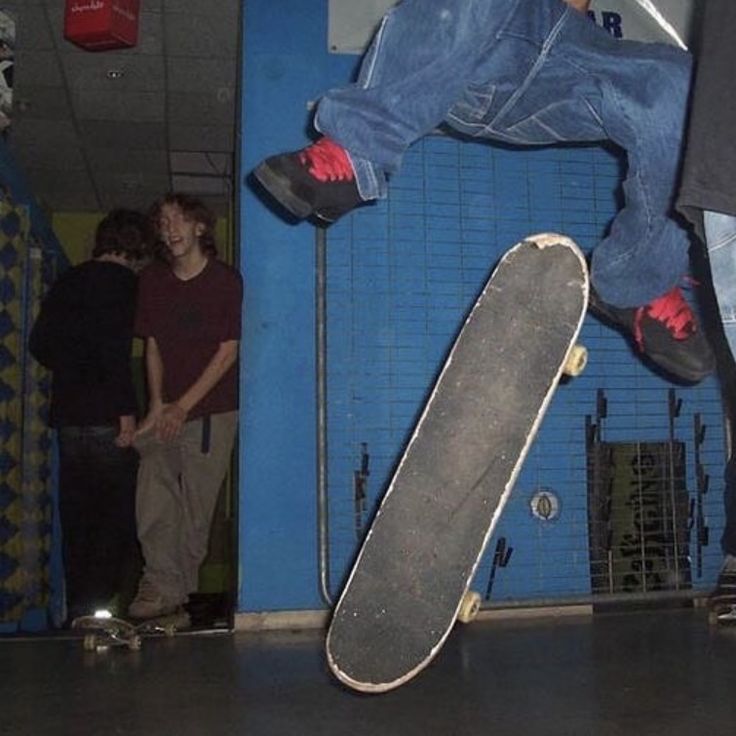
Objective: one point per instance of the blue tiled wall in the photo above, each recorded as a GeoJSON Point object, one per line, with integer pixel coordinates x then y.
{"type": "Point", "coordinates": [401, 275]}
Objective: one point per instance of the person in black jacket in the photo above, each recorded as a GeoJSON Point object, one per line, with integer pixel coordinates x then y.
{"type": "Point", "coordinates": [83, 335]}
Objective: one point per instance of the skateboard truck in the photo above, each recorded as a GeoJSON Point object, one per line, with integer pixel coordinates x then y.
{"type": "Point", "coordinates": [105, 630]}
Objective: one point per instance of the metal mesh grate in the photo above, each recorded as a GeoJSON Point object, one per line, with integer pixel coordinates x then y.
{"type": "Point", "coordinates": [402, 275]}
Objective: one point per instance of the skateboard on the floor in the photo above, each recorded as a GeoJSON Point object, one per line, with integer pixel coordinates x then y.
{"type": "Point", "coordinates": [722, 609]}
{"type": "Point", "coordinates": [103, 632]}
{"type": "Point", "coordinates": [410, 581]}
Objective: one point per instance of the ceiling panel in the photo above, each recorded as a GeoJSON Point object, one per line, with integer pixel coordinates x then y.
{"type": "Point", "coordinates": [200, 35]}
{"type": "Point", "coordinates": [41, 102]}
{"type": "Point", "coordinates": [32, 31]}
{"type": "Point", "coordinates": [39, 68]}
{"type": "Point", "coordinates": [67, 161]}
{"type": "Point", "coordinates": [142, 107]}
{"type": "Point", "coordinates": [195, 75]}
{"type": "Point", "coordinates": [208, 107]}
{"type": "Point", "coordinates": [201, 137]}
{"type": "Point", "coordinates": [89, 142]}
{"type": "Point", "coordinates": [92, 72]}
{"type": "Point", "coordinates": [106, 160]}
{"type": "Point", "coordinates": [136, 136]}
{"type": "Point", "coordinates": [52, 186]}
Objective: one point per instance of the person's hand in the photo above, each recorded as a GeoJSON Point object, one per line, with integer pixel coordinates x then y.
{"type": "Point", "coordinates": [170, 422]}
{"type": "Point", "coordinates": [126, 432]}
{"type": "Point", "coordinates": [149, 421]}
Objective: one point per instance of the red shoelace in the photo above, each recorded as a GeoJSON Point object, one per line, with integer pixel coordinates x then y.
{"type": "Point", "coordinates": [672, 311]}
{"type": "Point", "coordinates": [327, 161]}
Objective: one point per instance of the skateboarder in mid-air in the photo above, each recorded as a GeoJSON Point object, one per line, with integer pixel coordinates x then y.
{"type": "Point", "coordinates": [528, 72]}
{"type": "Point", "coordinates": [708, 198]}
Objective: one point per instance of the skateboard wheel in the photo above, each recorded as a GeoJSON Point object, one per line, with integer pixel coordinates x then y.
{"type": "Point", "coordinates": [576, 361]}
{"type": "Point", "coordinates": [469, 607]}
{"type": "Point", "coordinates": [135, 643]}
{"type": "Point", "coordinates": [90, 642]}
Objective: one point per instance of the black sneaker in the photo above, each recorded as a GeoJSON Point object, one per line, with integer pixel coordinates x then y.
{"type": "Point", "coordinates": [317, 181]}
{"type": "Point", "coordinates": [666, 331]}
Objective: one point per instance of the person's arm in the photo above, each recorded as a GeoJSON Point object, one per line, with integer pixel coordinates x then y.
{"type": "Point", "coordinates": [581, 5]}
{"type": "Point", "coordinates": [126, 431]}
{"type": "Point", "coordinates": [154, 373]}
{"type": "Point", "coordinates": [52, 333]}
{"type": "Point", "coordinates": [222, 361]}
{"type": "Point", "coordinates": [155, 382]}
{"type": "Point", "coordinates": [174, 415]}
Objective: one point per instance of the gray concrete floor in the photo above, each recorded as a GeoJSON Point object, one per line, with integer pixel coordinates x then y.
{"type": "Point", "coordinates": [643, 674]}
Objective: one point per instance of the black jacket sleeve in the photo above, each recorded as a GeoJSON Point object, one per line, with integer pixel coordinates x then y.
{"type": "Point", "coordinates": [47, 339]}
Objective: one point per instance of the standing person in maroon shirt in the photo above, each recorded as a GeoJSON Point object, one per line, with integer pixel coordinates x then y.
{"type": "Point", "coordinates": [189, 311]}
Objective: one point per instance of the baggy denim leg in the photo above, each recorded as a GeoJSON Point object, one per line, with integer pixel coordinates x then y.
{"type": "Point", "coordinates": [583, 85]}
{"type": "Point", "coordinates": [720, 237]}
{"type": "Point", "coordinates": [416, 68]}
{"type": "Point", "coordinates": [529, 72]}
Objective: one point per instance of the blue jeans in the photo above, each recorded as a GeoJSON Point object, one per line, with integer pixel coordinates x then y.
{"type": "Point", "coordinates": [720, 239]}
{"type": "Point", "coordinates": [528, 72]}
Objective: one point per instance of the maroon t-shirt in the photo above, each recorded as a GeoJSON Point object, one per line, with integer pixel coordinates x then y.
{"type": "Point", "coordinates": [189, 320]}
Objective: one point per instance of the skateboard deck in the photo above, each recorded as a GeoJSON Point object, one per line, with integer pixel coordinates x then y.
{"type": "Point", "coordinates": [410, 580]}
{"type": "Point", "coordinates": [103, 632]}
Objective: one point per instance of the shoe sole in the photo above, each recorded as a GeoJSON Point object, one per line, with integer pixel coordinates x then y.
{"type": "Point", "coordinates": [279, 188]}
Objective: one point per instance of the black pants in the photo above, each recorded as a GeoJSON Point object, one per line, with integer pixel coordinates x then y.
{"type": "Point", "coordinates": [97, 508]}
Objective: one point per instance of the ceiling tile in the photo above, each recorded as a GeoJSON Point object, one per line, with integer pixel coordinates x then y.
{"type": "Point", "coordinates": [67, 199]}
{"type": "Point", "coordinates": [143, 107]}
{"type": "Point", "coordinates": [150, 34]}
{"type": "Point", "coordinates": [91, 72]}
{"type": "Point", "coordinates": [106, 160]}
{"type": "Point", "coordinates": [37, 156]}
{"type": "Point", "coordinates": [138, 199]}
{"type": "Point", "coordinates": [71, 122]}
{"type": "Point", "coordinates": [227, 9]}
{"type": "Point", "coordinates": [40, 102]}
{"type": "Point", "coordinates": [40, 68]}
{"type": "Point", "coordinates": [203, 109]}
{"type": "Point", "coordinates": [199, 75]}
{"type": "Point", "coordinates": [201, 137]}
{"type": "Point", "coordinates": [57, 133]}
{"type": "Point", "coordinates": [200, 35]}
{"type": "Point", "coordinates": [32, 31]}
{"type": "Point", "coordinates": [116, 134]}
{"type": "Point", "coordinates": [204, 163]}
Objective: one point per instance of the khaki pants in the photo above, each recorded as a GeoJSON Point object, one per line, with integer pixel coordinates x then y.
{"type": "Point", "coordinates": [178, 486]}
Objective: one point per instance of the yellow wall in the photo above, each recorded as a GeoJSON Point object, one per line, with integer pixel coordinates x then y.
{"type": "Point", "coordinates": [76, 232]}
